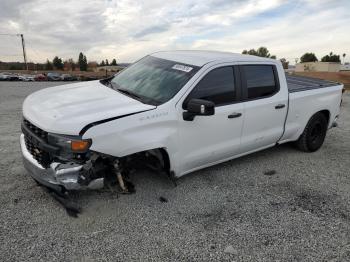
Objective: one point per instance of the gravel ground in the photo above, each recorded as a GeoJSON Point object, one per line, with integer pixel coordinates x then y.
{"type": "Point", "coordinates": [236, 211]}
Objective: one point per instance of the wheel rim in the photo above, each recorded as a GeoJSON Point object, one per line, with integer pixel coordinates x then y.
{"type": "Point", "coordinates": [316, 132]}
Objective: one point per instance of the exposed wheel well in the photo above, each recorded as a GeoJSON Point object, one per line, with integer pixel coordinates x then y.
{"type": "Point", "coordinates": [326, 113]}
{"type": "Point", "coordinates": [314, 132]}
{"type": "Point", "coordinates": [166, 159]}
{"type": "Point", "coordinates": [156, 158]}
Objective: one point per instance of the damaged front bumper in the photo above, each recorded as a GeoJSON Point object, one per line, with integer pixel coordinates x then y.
{"type": "Point", "coordinates": [59, 176]}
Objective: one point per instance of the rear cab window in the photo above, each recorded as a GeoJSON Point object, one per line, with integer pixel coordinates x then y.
{"type": "Point", "coordinates": [259, 81]}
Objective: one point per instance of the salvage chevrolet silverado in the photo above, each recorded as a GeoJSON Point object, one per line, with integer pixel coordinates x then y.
{"type": "Point", "coordinates": [175, 112]}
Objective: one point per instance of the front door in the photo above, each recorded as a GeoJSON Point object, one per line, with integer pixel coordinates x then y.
{"type": "Point", "coordinates": [210, 139]}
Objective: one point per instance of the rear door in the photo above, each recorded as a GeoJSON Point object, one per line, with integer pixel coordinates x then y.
{"type": "Point", "coordinates": [265, 106]}
{"type": "Point", "coordinates": [209, 139]}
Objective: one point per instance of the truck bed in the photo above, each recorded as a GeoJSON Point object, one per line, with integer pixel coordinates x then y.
{"type": "Point", "coordinates": [302, 83]}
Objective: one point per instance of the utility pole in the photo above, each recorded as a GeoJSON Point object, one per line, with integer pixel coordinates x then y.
{"type": "Point", "coordinates": [24, 51]}
{"type": "Point", "coordinates": [23, 47]}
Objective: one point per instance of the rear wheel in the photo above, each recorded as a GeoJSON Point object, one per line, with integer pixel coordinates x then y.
{"type": "Point", "coordinates": [314, 134]}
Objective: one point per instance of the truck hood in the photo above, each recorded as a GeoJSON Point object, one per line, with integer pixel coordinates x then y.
{"type": "Point", "coordinates": [67, 109]}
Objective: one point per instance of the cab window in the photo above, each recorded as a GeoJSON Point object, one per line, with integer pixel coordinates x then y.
{"type": "Point", "coordinates": [260, 81]}
{"type": "Point", "coordinates": [217, 86]}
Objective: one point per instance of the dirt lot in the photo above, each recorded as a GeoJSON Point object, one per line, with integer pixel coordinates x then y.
{"type": "Point", "coordinates": [229, 212]}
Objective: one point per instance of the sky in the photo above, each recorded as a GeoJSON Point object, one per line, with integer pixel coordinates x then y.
{"type": "Point", "coordinates": [130, 29]}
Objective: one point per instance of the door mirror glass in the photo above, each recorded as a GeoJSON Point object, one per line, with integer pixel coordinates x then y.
{"type": "Point", "coordinates": [198, 107]}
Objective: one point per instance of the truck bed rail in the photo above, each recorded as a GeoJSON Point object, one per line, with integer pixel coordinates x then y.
{"type": "Point", "coordinates": [302, 83]}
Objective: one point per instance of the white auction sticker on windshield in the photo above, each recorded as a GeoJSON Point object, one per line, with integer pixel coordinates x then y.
{"type": "Point", "coordinates": [182, 68]}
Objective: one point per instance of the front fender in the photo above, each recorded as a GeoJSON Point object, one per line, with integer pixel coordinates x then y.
{"type": "Point", "coordinates": [136, 133]}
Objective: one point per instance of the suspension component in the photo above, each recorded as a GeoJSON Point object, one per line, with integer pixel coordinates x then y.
{"type": "Point", "coordinates": [117, 171]}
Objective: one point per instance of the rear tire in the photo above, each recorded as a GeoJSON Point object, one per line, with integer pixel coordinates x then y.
{"type": "Point", "coordinates": [314, 134]}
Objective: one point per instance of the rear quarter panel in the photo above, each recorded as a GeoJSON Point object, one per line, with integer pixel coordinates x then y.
{"type": "Point", "coordinates": [304, 104]}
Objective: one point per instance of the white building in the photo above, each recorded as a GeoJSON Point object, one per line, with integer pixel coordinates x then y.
{"type": "Point", "coordinates": [318, 67]}
{"type": "Point", "coordinates": [345, 67]}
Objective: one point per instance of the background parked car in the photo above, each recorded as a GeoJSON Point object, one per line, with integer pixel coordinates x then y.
{"type": "Point", "coordinates": [9, 77]}
{"type": "Point", "coordinates": [21, 78]}
{"type": "Point", "coordinates": [54, 77]}
{"type": "Point", "coordinates": [2, 77]}
{"type": "Point", "coordinates": [87, 78]}
{"type": "Point", "coordinates": [68, 77]}
{"type": "Point", "coordinates": [26, 78]}
{"type": "Point", "coordinates": [40, 77]}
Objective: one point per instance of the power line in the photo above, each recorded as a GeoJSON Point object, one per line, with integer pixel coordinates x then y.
{"type": "Point", "coordinates": [11, 55]}
{"type": "Point", "coordinates": [10, 34]}
{"type": "Point", "coordinates": [32, 49]}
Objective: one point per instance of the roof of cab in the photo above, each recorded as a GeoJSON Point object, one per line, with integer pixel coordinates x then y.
{"type": "Point", "coordinates": [199, 58]}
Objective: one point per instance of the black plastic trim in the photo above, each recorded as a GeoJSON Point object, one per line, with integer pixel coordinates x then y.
{"type": "Point", "coordinates": [87, 127]}
{"type": "Point", "coordinates": [280, 106]}
{"type": "Point", "coordinates": [234, 115]}
{"type": "Point", "coordinates": [39, 142]}
{"type": "Point", "coordinates": [238, 84]}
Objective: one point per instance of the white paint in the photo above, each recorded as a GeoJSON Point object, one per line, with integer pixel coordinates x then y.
{"type": "Point", "coordinates": [191, 145]}
{"type": "Point", "coordinates": [182, 68]}
{"type": "Point", "coordinates": [66, 109]}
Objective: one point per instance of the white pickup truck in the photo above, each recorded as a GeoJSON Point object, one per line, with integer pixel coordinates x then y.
{"type": "Point", "coordinates": [176, 111]}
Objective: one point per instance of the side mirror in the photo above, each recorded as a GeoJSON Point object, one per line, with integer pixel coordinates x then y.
{"type": "Point", "coordinates": [198, 107]}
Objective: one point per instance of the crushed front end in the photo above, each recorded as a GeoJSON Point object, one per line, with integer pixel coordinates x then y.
{"type": "Point", "coordinates": [63, 162]}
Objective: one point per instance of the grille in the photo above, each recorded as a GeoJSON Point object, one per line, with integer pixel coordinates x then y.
{"type": "Point", "coordinates": [36, 130]}
{"type": "Point", "coordinates": [38, 154]}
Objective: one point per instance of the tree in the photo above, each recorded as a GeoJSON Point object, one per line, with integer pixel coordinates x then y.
{"type": "Point", "coordinates": [261, 51]}
{"type": "Point", "coordinates": [48, 65]}
{"type": "Point", "coordinates": [85, 63]}
{"type": "Point", "coordinates": [114, 62]}
{"type": "Point", "coordinates": [344, 55]}
{"type": "Point", "coordinates": [39, 66]}
{"type": "Point", "coordinates": [82, 61]}
{"type": "Point", "coordinates": [92, 65]}
{"type": "Point", "coordinates": [250, 52]}
{"type": "Point", "coordinates": [331, 58]}
{"type": "Point", "coordinates": [107, 64]}
{"type": "Point", "coordinates": [72, 64]}
{"type": "Point", "coordinates": [308, 57]}
{"type": "Point", "coordinates": [69, 65]}
{"type": "Point", "coordinates": [102, 63]}
{"type": "Point", "coordinates": [57, 63]}
{"type": "Point", "coordinates": [285, 63]}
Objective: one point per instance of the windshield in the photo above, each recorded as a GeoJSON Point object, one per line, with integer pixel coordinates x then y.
{"type": "Point", "coordinates": [153, 80]}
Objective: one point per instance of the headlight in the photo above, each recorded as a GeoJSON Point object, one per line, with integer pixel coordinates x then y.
{"type": "Point", "coordinates": [70, 143]}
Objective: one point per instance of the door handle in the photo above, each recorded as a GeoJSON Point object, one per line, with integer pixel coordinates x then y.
{"type": "Point", "coordinates": [279, 106]}
{"type": "Point", "coordinates": [234, 115]}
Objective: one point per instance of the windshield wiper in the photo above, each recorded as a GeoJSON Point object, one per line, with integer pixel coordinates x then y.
{"type": "Point", "coordinates": [129, 93]}
{"type": "Point", "coordinates": [142, 99]}
{"type": "Point", "coordinates": [107, 82]}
